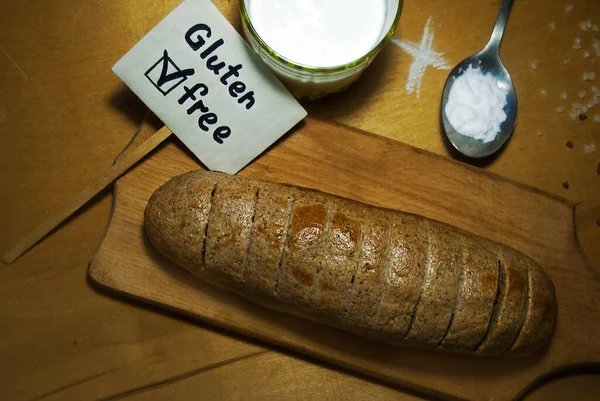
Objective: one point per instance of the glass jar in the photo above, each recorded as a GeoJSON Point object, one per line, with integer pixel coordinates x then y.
{"type": "Point", "coordinates": [313, 81]}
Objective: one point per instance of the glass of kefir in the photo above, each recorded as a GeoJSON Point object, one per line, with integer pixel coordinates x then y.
{"type": "Point", "coordinates": [317, 47]}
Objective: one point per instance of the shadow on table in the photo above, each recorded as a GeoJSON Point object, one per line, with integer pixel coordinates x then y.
{"type": "Point", "coordinates": [126, 103]}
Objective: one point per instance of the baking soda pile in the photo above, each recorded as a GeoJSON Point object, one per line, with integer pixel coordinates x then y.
{"type": "Point", "coordinates": [476, 104]}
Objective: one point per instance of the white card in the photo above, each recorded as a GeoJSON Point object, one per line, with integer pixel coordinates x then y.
{"type": "Point", "coordinates": [198, 75]}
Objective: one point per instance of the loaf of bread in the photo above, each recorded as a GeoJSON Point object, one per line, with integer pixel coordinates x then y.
{"type": "Point", "coordinates": [390, 276]}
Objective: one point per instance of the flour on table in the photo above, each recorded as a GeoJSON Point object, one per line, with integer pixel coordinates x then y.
{"type": "Point", "coordinates": [589, 148]}
{"type": "Point", "coordinates": [424, 56]}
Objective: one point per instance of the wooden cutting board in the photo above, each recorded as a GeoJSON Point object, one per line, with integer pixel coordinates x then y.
{"type": "Point", "coordinates": [374, 170]}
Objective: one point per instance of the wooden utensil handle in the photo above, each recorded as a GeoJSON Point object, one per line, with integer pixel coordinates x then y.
{"type": "Point", "coordinates": [122, 165]}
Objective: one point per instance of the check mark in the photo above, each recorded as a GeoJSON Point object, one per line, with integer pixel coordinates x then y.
{"type": "Point", "coordinates": [164, 77]}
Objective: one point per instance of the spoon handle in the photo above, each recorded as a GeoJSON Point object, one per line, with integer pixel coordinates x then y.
{"type": "Point", "coordinates": [494, 43]}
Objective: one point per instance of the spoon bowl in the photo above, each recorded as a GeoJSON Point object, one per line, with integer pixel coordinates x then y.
{"type": "Point", "coordinates": [488, 61]}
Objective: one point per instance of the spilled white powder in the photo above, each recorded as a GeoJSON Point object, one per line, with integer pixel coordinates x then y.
{"type": "Point", "coordinates": [589, 148]}
{"type": "Point", "coordinates": [424, 56]}
{"type": "Point", "coordinates": [584, 26]}
{"type": "Point", "coordinates": [476, 104]}
{"type": "Point", "coordinates": [534, 65]}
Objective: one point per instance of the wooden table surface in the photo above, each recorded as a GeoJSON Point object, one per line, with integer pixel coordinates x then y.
{"type": "Point", "coordinates": [64, 117]}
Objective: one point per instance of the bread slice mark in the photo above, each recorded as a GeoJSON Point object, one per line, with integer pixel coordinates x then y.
{"type": "Point", "coordinates": [362, 306]}
{"type": "Point", "coordinates": [322, 248]}
{"type": "Point", "coordinates": [382, 276]}
{"type": "Point", "coordinates": [284, 240]}
{"type": "Point", "coordinates": [250, 234]}
{"type": "Point", "coordinates": [460, 251]}
{"type": "Point", "coordinates": [348, 293]}
{"type": "Point", "coordinates": [526, 310]}
{"type": "Point", "coordinates": [426, 276]}
{"type": "Point", "coordinates": [497, 306]}
{"type": "Point", "coordinates": [208, 216]}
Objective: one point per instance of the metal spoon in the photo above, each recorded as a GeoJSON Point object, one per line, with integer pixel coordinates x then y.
{"type": "Point", "coordinates": [489, 61]}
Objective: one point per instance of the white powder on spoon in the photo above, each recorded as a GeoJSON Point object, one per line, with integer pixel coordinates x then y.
{"type": "Point", "coordinates": [476, 104]}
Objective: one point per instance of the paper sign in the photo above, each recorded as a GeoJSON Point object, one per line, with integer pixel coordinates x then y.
{"type": "Point", "coordinates": [198, 75]}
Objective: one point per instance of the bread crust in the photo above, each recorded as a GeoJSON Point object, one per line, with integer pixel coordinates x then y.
{"type": "Point", "coordinates": [387, 275]}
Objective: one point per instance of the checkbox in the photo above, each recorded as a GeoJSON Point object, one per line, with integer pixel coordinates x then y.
{"type": "Point", "coordinates": [165, 75]}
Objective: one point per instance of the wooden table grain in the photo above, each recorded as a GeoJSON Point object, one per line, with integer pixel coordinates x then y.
{"type": "Point", "coordinates": [64, 117]}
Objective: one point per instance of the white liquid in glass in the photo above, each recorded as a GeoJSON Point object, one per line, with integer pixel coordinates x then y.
{"type": "Point", "coordinates": [319, 33]}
